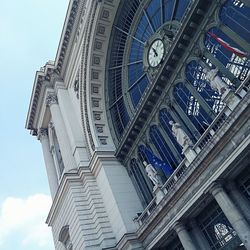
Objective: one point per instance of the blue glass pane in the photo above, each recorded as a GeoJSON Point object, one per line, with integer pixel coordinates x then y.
{"type": "Point", "coordinates": [143, 32]}
{"type": "Point", "coordinates": [137, 91]}
{"type": "Point", "coordinates": [192, 108]}
{"type": "Point", "coordinates": [120, 116]}
{"type": "Point", "coordinates": [162, 147]}
{"type": "Point", "coordinates": [136, 52]}
{"type": "Point", "coordinates": [237, 65]}
{"type": "Point", "coordinates": [165, 118]}
{"type": "Point", "coordinates": [135, 71]}
{"type": "Point", "coordinates": [236, 16]}
{"type": "Point", "coordinates": [135, 96]}
{"type": "Point", "coordinates": [154, 13]}
{"type": "Point", "coordinates": [168, 9]}
{"type": "Point", "coordinates": [180, 9]}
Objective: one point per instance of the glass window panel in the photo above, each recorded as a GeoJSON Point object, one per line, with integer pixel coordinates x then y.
{"type": "Point", "coordinates": [168, 9]}
{"type": "Point", "coordinates": [195, 76]}
{"type": "Point", "coordinates": [154, 12]}
{"type": "Point", "coordinates": [192, 108]}
{"type": "Point", "coordinates": [162, 147]}
{"type": "Point", "coordinates": [239, 66]}
{"type": "Point", "coordinates": [135, 71]}
{"type": "Point", "coordinates": [180, 9]}
{"type": "Point", "coordinates": [236, 15]}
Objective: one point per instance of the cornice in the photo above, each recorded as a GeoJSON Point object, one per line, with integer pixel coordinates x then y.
{"type": "Point", "coordinates": [51, 72]}
{"type": "Point", "coordinates": [66, 36]}
{"type": "Point", "coordinates": [42, 80]}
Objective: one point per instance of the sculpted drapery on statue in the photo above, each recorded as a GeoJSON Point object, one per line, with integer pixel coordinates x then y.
{"type": "Point", "coordinates": [152, 174]}
{"type": "Point", "coordinates": [180, 135]}
{"type": "Point", "coordinates": [216, 83]}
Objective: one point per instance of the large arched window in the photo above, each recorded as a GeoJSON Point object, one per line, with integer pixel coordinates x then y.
{"type": "Point", "coordinates": [136, 23]}
{"type": "Point", "coordinates": [236, 15]}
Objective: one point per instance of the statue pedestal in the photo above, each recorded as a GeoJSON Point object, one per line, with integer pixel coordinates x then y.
{"type": "Point", "coordinates": [158, 193]}
{"type": "Point", "coordinates": [231, 100]}
{"type": "Point", "coordinates": [189, 153]}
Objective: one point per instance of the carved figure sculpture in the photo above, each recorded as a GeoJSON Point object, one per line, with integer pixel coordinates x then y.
{"type": "Point", "coordinates": [215, 81]}
{"type": "Point", "coordinates": [152, 174]}
{"type": "Point", "coordinates": [180, 135]}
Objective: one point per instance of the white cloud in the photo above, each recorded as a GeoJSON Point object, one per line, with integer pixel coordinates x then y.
{"type": "Point", "coordinates": [26, 218]}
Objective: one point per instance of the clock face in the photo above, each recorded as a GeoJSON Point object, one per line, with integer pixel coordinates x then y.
{"type": "Point", "coordinates": [155, 53]}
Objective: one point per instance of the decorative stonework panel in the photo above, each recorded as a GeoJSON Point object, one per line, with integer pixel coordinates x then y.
{"type": "Point", "coordinates": [101, 29]}
{"type": "Point", "coordinates": [95, 51]}
{"type": "Point", "coordinates": [95, 89]}
{"type": "Point", "coordinates": [96, 61]}
{"type": "Point", "coordinates": [98, 44]}
{"type": "Point", "coordinates": [97, 115]}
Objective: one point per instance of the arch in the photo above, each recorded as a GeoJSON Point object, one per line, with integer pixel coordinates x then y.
{"type": "Point", "coordinates": [137, 23]}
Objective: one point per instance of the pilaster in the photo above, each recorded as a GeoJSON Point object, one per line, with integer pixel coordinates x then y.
{"type": "Point", "coordinates": [61, 132]}
{"type": "Point", "coordinates": [118, 192]}
{"type": "Point", "coordinates": [49, 162]}
{"type": "Point", "coordinates": [76, 138]}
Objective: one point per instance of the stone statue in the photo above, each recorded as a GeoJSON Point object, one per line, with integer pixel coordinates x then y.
{"type": "Point", "coordinates": [180, 135]}
{"type": "Point", "coordinates": [152, 174]}
{"type": "Point", "coordinates": [215, 81]}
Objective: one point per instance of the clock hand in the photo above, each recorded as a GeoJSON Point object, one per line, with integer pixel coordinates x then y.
{"type": "Point", "coordinates": [156, 54]}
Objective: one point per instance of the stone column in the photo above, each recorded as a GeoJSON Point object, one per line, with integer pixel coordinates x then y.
{"type": "Point", "coordinates": [61, 133]}
{"type": "Point", "coordinates": [232, 213]}
{"type": "Point", "coordinates": [239, 199]}
{"type": "Point", "coordinates": [199, 236]}
{"type": "Point", "coordinates": [49, 162]}
{"type": "Point", "coordinates": [184, 236]}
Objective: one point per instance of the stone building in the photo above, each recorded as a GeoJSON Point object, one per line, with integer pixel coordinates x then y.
{"type": "Point", "coordinates": [161, 84]}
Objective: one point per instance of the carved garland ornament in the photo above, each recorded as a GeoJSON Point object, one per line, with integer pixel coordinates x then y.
{"type": "Point", "coordinates": [51, 99]}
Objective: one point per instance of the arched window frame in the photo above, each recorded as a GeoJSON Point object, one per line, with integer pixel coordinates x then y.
{"type": "Point", "coordinates": [64, 238]}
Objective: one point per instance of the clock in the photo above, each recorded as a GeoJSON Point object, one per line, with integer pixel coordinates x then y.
{"type": "Point", "coordinates": [155, 53]}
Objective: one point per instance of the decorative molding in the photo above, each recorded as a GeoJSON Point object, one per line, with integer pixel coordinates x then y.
{"type": "Point", "coordinates": [76, 85]}
{"type": "Point", "coordinates": [67, 36]}
{"type": "Point", "coordinates": [42, 133]}
{"type": "Point", "coordinates": [83, 77]}
{"type": "Point", "coordinates": [51, 99]}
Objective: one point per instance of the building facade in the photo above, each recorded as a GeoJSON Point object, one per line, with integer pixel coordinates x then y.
{"type": "Point", "coordinates": [144, 123]}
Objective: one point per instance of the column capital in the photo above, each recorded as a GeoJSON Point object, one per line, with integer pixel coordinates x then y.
{"type": "Point", "coordinates": [51, 99]}
{"type": "Point", "coordinates": [179, 226]}
{"type": "Point", "coordinates": [215, 188]}
{"type": "Point", "coordinates": [42, 133]}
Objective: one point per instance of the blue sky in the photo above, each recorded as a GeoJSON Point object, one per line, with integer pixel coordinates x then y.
{"type": "Point", "coordinates": [30, 32]}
